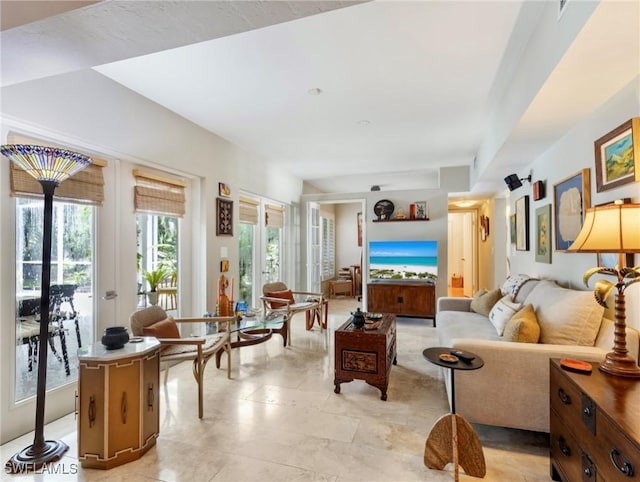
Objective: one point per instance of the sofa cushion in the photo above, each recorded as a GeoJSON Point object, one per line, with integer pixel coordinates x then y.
{"type": "Point", "coordinates": [566, 317]}
{"type": "Point", "coordinates": [483, 301]}
{"type": "Point", "coordinates": [166, 328]}
{"type": "Point", "coordinates": [285, 295]}
{"type": "Point", "coordinates": [464, 324]}
{"type": "Point", "coordinates": [523, 327]}
{"type": "Point", "coordinates": [501, 312]}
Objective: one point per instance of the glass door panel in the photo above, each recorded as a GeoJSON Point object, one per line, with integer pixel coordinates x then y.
{"type": "Point", "coordinates": [71, 314]}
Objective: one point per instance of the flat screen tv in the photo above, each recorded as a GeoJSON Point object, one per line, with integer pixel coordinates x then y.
{"type": "Point", "coordinates": [403, 260]}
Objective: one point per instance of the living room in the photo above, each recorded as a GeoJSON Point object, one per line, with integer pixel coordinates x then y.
{"type": "Point", "coordinates": [84, 109]}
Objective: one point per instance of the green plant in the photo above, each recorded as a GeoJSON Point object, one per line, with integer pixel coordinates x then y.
{"type": "Point", "coordinates": [603, 288]}
{"type": "Point", "coordinates": [155, 277]}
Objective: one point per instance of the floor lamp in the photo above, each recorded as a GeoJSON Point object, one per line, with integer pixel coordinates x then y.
{"type": "Point", "coordinates": [613, 228]}
{"type": "Point", "coordinates": [49, 166]}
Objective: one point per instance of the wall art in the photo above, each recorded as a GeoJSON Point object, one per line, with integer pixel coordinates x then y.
{"type": "Point", "coordinates": [571, 198]}
{"type": "Point", "coordinates": [617, 156]}
{"type": "Point", "coordinates": [224, 213]}
{"type": "Point", "coordinates": [543, 234]}
{"type": "Point", "coordinates": [522, 223]}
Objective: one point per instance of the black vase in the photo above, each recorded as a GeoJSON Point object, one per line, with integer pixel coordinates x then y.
{"type": "Point", "coordinates": [115, 337]}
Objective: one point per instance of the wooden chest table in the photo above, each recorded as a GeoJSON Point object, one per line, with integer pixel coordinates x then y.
{"type": "Point", "coordinates": [365, 354]}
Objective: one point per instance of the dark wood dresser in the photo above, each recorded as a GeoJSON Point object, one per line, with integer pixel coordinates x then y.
{"type": "Point", "coordinates": [402, 298]}
{"type": "Point", "coordinates": [595, 426]}
{"type": "Point", "coordinates": [365, 354]}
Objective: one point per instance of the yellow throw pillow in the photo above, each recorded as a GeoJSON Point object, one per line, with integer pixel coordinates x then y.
{"type": "Point", "coordinates": [482, 302]}
{"type": "Point", "coordinates": [523, 327]}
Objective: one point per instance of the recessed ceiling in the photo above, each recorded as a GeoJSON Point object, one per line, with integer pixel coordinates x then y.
{"type": "Point", "coordinates": [403, 87]}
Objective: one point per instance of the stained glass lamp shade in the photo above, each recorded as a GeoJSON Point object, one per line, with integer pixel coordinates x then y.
{"type": "Point", "coordinates": [49, 166]}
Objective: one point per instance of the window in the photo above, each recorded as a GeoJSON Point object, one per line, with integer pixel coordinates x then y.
{"type": "Point", "coordinates": [328, 248]}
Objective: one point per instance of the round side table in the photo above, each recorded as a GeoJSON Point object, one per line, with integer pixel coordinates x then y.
{"type": "Point", "coordinates": [452, 438]}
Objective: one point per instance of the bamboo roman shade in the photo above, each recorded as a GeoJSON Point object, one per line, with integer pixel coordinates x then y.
{"type": "Point", "coordinates": [158, 194]}
{"type": "Point", "coordinates": [86, 186]}
{"type": "Point", "coordinates": [274, 216]}
{"type": "Point", "coordinates": [248, 210]}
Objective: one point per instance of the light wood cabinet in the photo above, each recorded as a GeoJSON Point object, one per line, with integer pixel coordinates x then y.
{"type": "Point", "coordinates": [402, 298]}
{"type": "Point", "coordinates": [118, 412]}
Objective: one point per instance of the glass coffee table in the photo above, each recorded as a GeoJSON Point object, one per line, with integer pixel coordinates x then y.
{"type": "Point", "coordinates": [252, 330]}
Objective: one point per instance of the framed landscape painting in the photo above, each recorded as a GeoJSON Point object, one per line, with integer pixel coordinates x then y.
{"type": "Point", "coordinates": [617, 156]}
{"type": "Point", "coordinates": [522, 223]}
{"type": "Point", "coordinates": [571, 198]}
{"type": "Point", "coordinates": [543, 234]}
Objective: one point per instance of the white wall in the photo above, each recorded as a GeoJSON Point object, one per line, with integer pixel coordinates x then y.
{"type": "Point", "coordinates": [347, 250]}
{"type": "Point", "coordinates": [570, 154]}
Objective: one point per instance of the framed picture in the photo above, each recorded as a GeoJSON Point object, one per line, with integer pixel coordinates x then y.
{"type": "Point", "coordinates": [522, 223]}
{"type": "Point", "coordinates": [538, 190]}
{"type": "Point", "coordinates": [611, 260]}
{"type": "Point", "coordinates": [617, 156]}
{"type": "Point", "coordinates": [484, 227]}
{"type": "Point", "coordinates": [224, 265]}
{"type": "Point", "coordinates": [359, 224]}
{"type": "Point", "coordinates": [421, 210]}
{"type": "Point", "coordinates": [224, 189]}
{"type": "Point", "coordinates": [543, 234]}
{"type": "Point", "coordinates": [224, 213]}
{"type": "Point", "coordinates": [512, 228]}
{"type": "Point", "coordinates": [571, 198]}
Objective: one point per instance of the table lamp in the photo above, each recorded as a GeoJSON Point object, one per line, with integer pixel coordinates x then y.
{"type": "Point", "coordinates": [49, 166]}
{"type": "Point", "coordinates": [613, 228]}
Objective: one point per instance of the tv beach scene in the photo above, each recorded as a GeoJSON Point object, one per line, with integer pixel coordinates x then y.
{"type": "Point", "coordinates": [403, 260]}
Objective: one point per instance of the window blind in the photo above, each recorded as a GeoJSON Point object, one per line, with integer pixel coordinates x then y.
{"type": "Point", "coordinates": [158, 194]}
{"type": "Point", "coordinates": [248, 210]}
{"type": "Point", "coordinates": [84, 187]}
{"type": "Point", "coordinates": [274, 216]}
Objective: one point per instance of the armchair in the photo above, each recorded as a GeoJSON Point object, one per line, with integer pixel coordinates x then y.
{"type": "Point", "coordinates": [278, 298]}
{"type": "Point", "coordinates": [153, 321]}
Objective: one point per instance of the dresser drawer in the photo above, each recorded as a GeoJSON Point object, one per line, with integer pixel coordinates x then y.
{"type": "Point", "coordinates": [618, 459]}
{"type": "Point", "coordinates": [565, 451]}
{"type": "Point", "coordinates": [566, 400]}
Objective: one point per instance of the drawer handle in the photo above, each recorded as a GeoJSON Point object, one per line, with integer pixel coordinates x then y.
{"type": "Point", "coordinates": [123, 408]}
{"type": "Point", "coordinates": [587, 411]}
{"type": "Point", "coordinates": [564, 448]}
{"type": "Point", "coordinates": [150, 397]}
{"type": "Point", "coordinates": [587, 472]}
{"type": "Point", "coordinates": [564, 398]}
{"type": "Point", "coordinates": [92, 411]}
{"type": "Point", "coordinates": [620, 463]}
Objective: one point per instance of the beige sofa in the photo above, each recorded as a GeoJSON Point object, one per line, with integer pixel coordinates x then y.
{"type": "Point", "coordinates": [512, 389]}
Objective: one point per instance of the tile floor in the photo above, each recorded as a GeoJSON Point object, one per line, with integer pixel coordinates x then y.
{"type": "Point", "coordinates": [278, 419]}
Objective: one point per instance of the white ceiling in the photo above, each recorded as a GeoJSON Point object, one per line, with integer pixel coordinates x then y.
{"type": "Point", "coordinates": [406, 86]}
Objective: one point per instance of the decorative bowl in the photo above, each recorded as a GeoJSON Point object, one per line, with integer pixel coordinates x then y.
{"type": "Point", "coordinates": [115, 337]}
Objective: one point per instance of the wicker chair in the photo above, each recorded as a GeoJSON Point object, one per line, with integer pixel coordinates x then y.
{"type": "Point", "coordinates": [278, 298]}
{"type": "Point", "coordinates": [153, 321]}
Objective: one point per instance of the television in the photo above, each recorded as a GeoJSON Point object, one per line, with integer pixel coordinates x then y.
{"type": "Point", "coordinates": [414, 260]}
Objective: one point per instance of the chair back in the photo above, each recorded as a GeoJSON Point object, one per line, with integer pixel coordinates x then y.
{"type": "Point", "coordinates": [146, 317]}
{"type": "Point", "coordinates": [273, 287]}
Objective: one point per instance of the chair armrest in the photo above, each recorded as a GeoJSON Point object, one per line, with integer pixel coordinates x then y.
{"type": "Point", "coordinates": [450, 303]}
{"type": "Point", "coordinates": [182, 341]}
{"type": "Point", "coordinates": [269, 299]}
{"type": "Point", "coordinates": [308, 293]}
{"type": "Point", "coordinates": [204, 319]}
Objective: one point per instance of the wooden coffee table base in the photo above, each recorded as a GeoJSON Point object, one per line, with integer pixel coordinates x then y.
{"type": "Point", "coordinates": [450, 432]}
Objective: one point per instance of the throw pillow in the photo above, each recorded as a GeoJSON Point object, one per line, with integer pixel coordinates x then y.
{"type": "Point", "coordinates": [523, 327]}
{"type": "Point", "coordinates": [285, 295]}
{"type": "Point", "coordinates": [166, 328]}
{"type": "Point", "coordinates": [512, 284]}
{"type": "Point", "coordinates": [566, 317]}
{"type": "Point", "coordinates": [502, 312]}
{"type": "Point", "coordinates": [483, 302]}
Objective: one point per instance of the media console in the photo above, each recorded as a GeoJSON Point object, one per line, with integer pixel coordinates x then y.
{"type": "Point", "coordinates": [404, 298]}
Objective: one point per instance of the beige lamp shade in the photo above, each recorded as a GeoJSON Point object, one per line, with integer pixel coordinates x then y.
{"type": "Point", "coordinates": [613, 228]}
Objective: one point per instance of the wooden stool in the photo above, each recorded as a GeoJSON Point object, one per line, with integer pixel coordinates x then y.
{"type": "Point", "coordinates": [340, 286]}
{"type": "Point", "coordinates": [314, 314]}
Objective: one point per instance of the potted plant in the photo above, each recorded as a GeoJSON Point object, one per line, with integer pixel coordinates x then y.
{"type": "Point", "coordinates": [154, 278]}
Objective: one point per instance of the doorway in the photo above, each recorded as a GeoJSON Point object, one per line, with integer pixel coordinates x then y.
{"type": "Point", "coordinates": [463, 265]}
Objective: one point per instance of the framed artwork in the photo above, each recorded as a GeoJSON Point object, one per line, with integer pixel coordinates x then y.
{"type": "Point", "coordinates": [617, 156]}
{"type": "Point", "coordinates": [571, 198]}
{"type": "Point", "coordinates": [538, 190]}
{"type": "Point", "coordinates": [611, 260]}
{"type": "Point", "coordinates": [512, 228]}
{"type": "Point", "coordinates": [224, 265]}
{"type": "Point", "coordinates": [484, 227]}
{"type": "Point", "coordinates": [224, 213]}
{"type": "Point", "coordinates": [224, 189]}
{"type": "Point", "coordinates": [543, 234]}
{"type": "Point", "coordinates": [359, 223]}
{"type": "Point", "coordinates": [421, 210]}
{"type": "Point", "coordinates": [522, 223]}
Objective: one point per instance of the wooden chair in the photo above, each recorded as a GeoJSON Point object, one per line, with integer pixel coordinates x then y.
{"type": "Point", "coordinates": [168, 292]}
{"type": "Point", "coordinates": [278, 298]}
{"type": "Point", "coordinates": [154, 321]}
